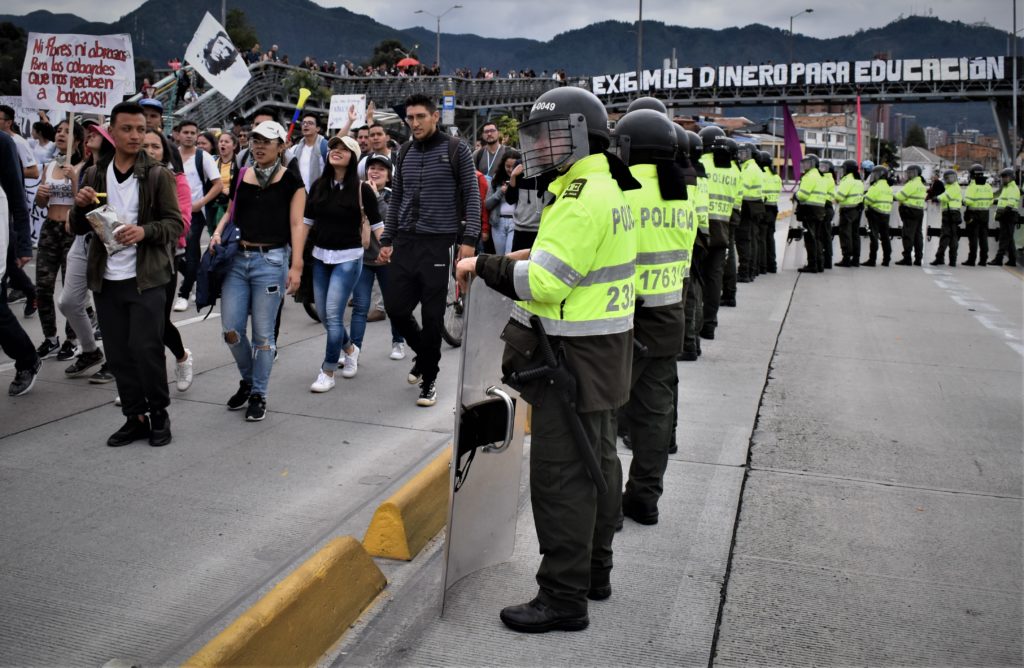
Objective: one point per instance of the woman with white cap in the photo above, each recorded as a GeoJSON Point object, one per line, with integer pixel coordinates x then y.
{"type": "Point", "coordinates": [337, 200]}
{"type": "Point", "coordinates": [268, 207]}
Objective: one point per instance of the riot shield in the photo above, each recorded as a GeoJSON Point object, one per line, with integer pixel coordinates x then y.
{"type": "Point", "coordinates": [487, 454]}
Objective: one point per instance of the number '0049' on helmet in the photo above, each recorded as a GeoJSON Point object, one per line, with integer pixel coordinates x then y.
{"type": "Point", "coordinates": [565, 125]}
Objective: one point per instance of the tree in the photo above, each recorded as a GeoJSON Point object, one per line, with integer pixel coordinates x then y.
{"type": "Point", "coordinates": [508, 127]}
{"type": "Point", "coordinates": [240, 30]}
{"type": "Point", "coordinates": [303, 78]}
{"type": "Point", "coordinates": [916, 137]}
{"type": "Point", "coordinates": [13, 44]}
{"type": "Point", "coordinates": [888, 155]}
{"type": "Point", "coordinates": [389, 52]}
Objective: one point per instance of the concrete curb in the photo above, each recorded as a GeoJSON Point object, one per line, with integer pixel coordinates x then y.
{"type": "Point", "coordinates": [413, 515]}
{"type": "Point", "coordinates": [297, 621]}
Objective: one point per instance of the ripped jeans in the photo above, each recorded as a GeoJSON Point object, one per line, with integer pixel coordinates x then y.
{"type": "Point", "coordinates": [254, 285]}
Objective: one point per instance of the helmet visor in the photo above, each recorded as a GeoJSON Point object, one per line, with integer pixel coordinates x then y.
{"type": "Point", "coordinates": [552, 143]}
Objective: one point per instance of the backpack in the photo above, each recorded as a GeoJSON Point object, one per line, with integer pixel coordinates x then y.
{"type": "Point", "coordinates": [214, 264]}
{"type": "Point", "coordinates": [453, 153]}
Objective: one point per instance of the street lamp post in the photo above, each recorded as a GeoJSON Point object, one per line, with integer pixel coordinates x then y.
{"type": "Point", "coordinates": [438, 17]}
{"type": "Point", "coordinates": [806, 11]}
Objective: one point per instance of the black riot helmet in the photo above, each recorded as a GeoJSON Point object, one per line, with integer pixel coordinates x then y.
{"type": "Point", "coordinates": [745, 151]}
{"type": "Point", "coordinates": [732, 147]}
{"type": "Point", "coordinates": [682, 144]}
{"type": "Point", "coordinates": [809, 162]}
{"type": "Point", "coordinates": [913, 171]}
{"type": "Point", "coordinates": [695, 144]}
{"type": "Point", "coordinates": [645, 136]}
{"type": "Point", "coordinates": [648, 102]}
{"type": "Point", "coordinates": [851, 167]}
{"type": "Point", "coordinates": [977, 173]}
{"type": "Point", "coordinates": [825, 166]}
{"type": "Point", "coordinates": [879, 173]}
{"type": "Point", "coordinates": [763, 159]}
{"type": "Point", "coordinates": [708, 136]}
{"type": "Point", "coordinates": [1006, 175]}
{"type": "Point", "coordinates": [949, 177]}
{"type": "Point", "coordinates": [565, 125]}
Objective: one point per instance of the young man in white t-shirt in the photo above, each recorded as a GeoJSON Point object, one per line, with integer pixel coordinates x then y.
{"type": "Point", "coordinates": [129, 285]}
{"type": "Point", "coordinates": [198, 176]}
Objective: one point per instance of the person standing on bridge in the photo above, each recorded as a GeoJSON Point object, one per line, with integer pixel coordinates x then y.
{"type": "Point", "coordinates": [1006, 214]}
{"type": "Point", "coordinates": [950, 201]}
{"type": "Point", "coordinates": [911, 198]}
{"type": "Point", "coordinates": [978, 200]}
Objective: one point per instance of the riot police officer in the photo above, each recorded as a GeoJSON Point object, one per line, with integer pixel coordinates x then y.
{"type": "Point", "coordinates": [772, 185]}
{"type": "Point", "coordinates": [1006, 214]}
{"type": "Point", "coordinates": [731, 271]}
{"type": "Point", "coordinates": [666, 228]}
{"type": "Point", "coordinates": [878, 206]}
{"type": "Point", "coordinates": [748, 232]}
{"type": "Point", "coordinates": [578, 284]}
{"type": "Point", "coordinates": [978, 200]}
{"type": "Point", "coordinates": [828, 177]}
{"type": "Point", "coordinates": [850, 198]}
{"type": "Point", "coordinates": [950, 201]}
{"type": "Point", "coordinates": [722, 185]}
{"type": "Point", "coordinates": [810, 211]}
{"type": "Point", "coordinates": [911, 198]}
{"type": "Point", "coordinates": [689, 150]}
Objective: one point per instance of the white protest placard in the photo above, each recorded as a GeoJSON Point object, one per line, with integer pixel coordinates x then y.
{"type": "Point", "coordinates": [340, 105]}
{"type": "Point", "coordinates": [215, 58]}
{"type": "Point", "coordinates": [83, 73]}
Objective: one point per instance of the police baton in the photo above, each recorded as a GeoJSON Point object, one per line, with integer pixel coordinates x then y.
{"type": "Point", "coordinates": [563, 384]}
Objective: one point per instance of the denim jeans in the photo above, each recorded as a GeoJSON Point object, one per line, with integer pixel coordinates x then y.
{"type": "Point", "coordinates": [254, 286]}
{"type": "Point", "coordinates": [361, 302]}
{"type": "Point", "coordinates": [501, 234]}
{"type": "Point", "coordinates": [332, 287]}
{"type": "Point", "coordinates": [192, 254]}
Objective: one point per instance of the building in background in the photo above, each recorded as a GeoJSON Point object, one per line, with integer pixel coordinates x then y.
{"type": "Point", "coordinates": [929, 162]}
{"type": "Point", "coordinates": [935, 137]}
{"type": "Point", "coordinates": [833, 135]}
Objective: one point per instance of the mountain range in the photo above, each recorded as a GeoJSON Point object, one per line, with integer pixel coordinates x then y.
{"type": "Point", "coordinates": [161, 31]}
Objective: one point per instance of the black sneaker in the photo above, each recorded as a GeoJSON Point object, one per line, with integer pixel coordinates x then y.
{"type": "Point", "coordinates": [102, 376]}
{"type": "Point", "coordinates": [257, 408]}
{"type": "Point", "coordinates": [415, 373]}
{"type": "Point", "coordinates": [240, 399]}
{"type": "Point", "coordinates": [31, 306]}
{"type": "Point", "coordinates": [160, 428]}
{"type": "Point", "coordinates": [48, 348]}
{"type": "Point", "coordinates": [428, 393]}
{"type": "Point", "coordinates": [67, 351]}
{"type": "Point", "coordinates": [24, 380]}
{"type": "Point", "coordinates": [133, 430]}
{"type": "Point", "coordinates": [15, 296]}
{"type": "Point", "coordinates": [728, 301]}
{"type": "Point", "coordinates": [84, 362]}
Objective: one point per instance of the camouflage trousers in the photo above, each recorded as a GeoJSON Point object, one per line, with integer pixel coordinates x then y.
{"type": "Point", "coordinates": [51, 256]}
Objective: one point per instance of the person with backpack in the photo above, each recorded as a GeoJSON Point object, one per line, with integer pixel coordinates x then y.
{"type": "Point", "coordinates": [205, 184]}
{"type": "Point", "coordinates": [129, 284]}
{"type": "Point", "coordinates": [268, 211]}
{"type": "Point", "coordinates": [434, 171]}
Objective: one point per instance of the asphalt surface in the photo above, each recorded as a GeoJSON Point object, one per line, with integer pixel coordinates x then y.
{"type": "Point", "coordinates": [847, 491]}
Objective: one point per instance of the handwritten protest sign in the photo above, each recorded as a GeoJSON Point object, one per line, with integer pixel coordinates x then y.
{"type": "Point", "coordinates": [82, 73]}
{"type": "Point", "coordinates": [339, 111]}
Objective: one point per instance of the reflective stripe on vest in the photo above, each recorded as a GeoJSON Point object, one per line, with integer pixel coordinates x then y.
{"type": "Point", "coordinates": [913, 194]}
{"type": "Point", "coordinates": [751, 177]}
{"type": "Point", "coordinates": [554, 327]}
{"type": "Point", "coordinates": [722, 186]}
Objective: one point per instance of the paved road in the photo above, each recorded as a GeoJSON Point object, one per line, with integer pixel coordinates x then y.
{"type": "Point", "coordinates": [849, 477]}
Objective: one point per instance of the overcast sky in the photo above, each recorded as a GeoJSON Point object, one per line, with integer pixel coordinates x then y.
{"type": "Point", "coordinates": [535, 18]}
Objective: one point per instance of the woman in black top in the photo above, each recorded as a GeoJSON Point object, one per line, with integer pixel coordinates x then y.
{"type": "Point", "coordinates": [268, 211]}
{"type": "Point", "coordinates": [334, 212]}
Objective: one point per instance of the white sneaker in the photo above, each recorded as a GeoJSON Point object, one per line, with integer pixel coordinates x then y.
{"type": "Point", "coordinates": [117, 400]}
{"type": "Point", "coordinates": [397, 351]}
{"type": "Point", "coordinates": [351, 363]}
{"type": "Point", "coordinates": [180, 304]}
{"type": "Point", "coordinates": [323, 383]}
{"type": "Point", "coordinates": [183, 372]}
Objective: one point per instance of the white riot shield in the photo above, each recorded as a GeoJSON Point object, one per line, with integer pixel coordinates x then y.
{"type": "Point", "coordinates": [487, 456]}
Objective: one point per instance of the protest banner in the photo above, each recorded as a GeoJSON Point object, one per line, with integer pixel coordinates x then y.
{"type": "Point", "coordinates": [81, 73]}
{"type": "Point", "coordinates": [214, 56]}
{"type": "Point", "coordinates": [340, 104]}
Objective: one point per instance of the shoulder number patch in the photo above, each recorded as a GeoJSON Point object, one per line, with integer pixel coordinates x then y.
{"type": "Point", "coordinates": [574, 189]}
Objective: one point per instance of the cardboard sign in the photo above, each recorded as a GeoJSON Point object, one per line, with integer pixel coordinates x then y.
{"type": "Point", "coordinates": [82, 73]}
{"type": "Point", "coordinates": [215, 58]}
{"type": "Point", "coordinates": [340, 105]}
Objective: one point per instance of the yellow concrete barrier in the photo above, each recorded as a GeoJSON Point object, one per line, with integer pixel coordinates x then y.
{"type": "Point", "coordinates": [297, 621]}
{"type": "Point", "coordinates": [413, 515]}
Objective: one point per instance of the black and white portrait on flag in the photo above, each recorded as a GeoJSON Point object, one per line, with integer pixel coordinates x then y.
{"type": "Point", "coordinates": [215, 58]}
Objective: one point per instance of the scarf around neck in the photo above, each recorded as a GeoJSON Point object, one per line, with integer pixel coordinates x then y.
{"type": "Point", "coordinates": [265, 174]}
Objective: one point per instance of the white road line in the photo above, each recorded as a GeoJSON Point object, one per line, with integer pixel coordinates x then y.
{"type": "Point", "coordinates": [964, 296]}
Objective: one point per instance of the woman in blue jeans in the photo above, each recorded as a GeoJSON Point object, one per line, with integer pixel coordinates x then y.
{"type": "Point", "coordinates": [378, 175]}
{"type": "Point", "coordinates": [268, 209]}
{"type": "Point", "coordinates": [334, 210]}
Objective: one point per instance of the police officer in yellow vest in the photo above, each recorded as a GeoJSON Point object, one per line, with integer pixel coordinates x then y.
{"type": "Point", "coordinates": [911, 198]}
{"type": "Point", "coordinates": [731, 272]}
{"type": "Point", "coordinates": [689, 149]}
{"type": "Point", "coordinates": [665, 230]}
{"type": "Point", "coordinates": [950, 201]}
{"type": "Point", "coordinates": [751, 212]}
{"type": "Point", "coordinates": [878, 206]}
{"type": "Point", "coordinates": [723, 188]}
{"type": "Point", "coordinates": [810, 211]}
{"type": "Point", "coordinates": [579, 280]}
{"type": "Point", "coordinates": [1006, 214]}
{"type": "Point", "coordinates": [772, 186]}
{"type": "Point", "coordinates": [828, 178]}
{"type": "Point", "coordinates": [850, 198]}
{"type": "Point", "coordinates": [978, 200]}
